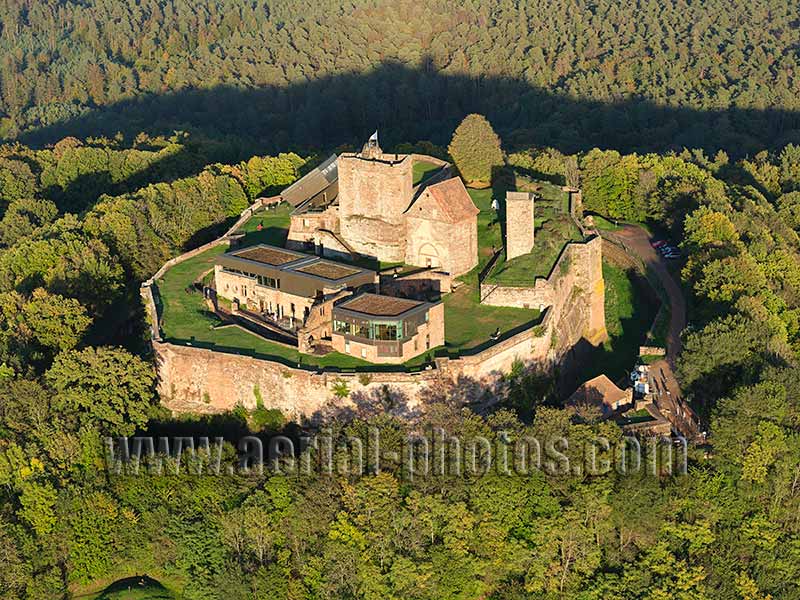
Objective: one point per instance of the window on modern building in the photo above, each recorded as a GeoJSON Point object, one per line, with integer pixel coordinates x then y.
{"type": "Point", "coordinates": [386, 331]}
{"type": "Point", "coordinates": [267, 281]}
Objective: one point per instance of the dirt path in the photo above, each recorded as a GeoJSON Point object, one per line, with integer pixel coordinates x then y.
{"type": "Point", "coordinates": [637, 242]}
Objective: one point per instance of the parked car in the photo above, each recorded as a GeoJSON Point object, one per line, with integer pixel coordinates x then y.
{"type": "Point", "coordinates": [673, 254]}
{"type": "Point", "coordinates": [665, 249]}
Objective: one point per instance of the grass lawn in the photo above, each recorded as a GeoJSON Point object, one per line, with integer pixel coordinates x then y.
{"type": "Point", "coordinates": [274, 226]}
{"type": "Point", "coordinates": [490, 233]}
{"type": "Point", "coordinates": [549, 241]}
{"type": "Point", "coordinates": [604, 224]}
{"type": "Point", "coordinates": [469, 325]}
{"type": "Point", "coordinates": [136, 588]}
{"type": "Point", "coordinates": [422, 170]}
{"type": "Point", "coordinates": [554, 229]}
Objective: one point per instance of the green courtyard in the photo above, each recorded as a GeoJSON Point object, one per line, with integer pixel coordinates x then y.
{"type": "Point", "coordinates": [274, 224]}
{"type": "Point", "coordinates": [186, 320]}
{"type": "Point", "coordinates": [422, 170]}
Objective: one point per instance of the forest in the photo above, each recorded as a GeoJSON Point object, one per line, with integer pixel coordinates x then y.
{"type": "Point", "coordinates": [135, 131]}
{"type": "Point", "coordinates": [271, 76]}
{"type": "Point", "coordinates": [85, 221]}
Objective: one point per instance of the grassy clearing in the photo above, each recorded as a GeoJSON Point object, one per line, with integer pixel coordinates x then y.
{"type": "Point", "coordinates": [136, 588]}
{"type": "Point", "coordinates": [274, 226]}
{"type": "Point", "coordinates": [423, 170]}
{"type": "Point", "coordinates": [658, 336]}
{"type": "Point", "coordinates": [490, 234]}
{"type": "Point", "coordinates": [554, 229]}
{"type": "Point", "coordinates": [468, 325]}
{"type": "Point", "coordinates": [630, 310]}
{"type": "Point", "coordinates": [604, 224]}
{"type": "Point", "coordinates": [549, 240]}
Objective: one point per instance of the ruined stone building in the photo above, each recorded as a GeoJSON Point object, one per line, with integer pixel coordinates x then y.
{"type": "Point", "coordinates": [365, 204]}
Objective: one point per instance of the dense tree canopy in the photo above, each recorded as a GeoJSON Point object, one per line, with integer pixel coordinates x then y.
{"type": "Point", "coordinates": [685, 117]}
{"type": "Point", "coordinates": [297, 73]}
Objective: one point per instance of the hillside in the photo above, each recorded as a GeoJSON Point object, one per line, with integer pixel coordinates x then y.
{"type": "Point", "coordinates": [299, 74]}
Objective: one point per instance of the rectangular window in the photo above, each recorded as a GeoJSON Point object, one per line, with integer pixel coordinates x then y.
{"type": "Point", "coordinates": [267, 281]}
{"type": "Point", "coordinates": [363, 353]}
{"type": "Point", "coordinates": [347, 346]}
{"type": "Point", "coordinates": [362, 330]}
{"type": "Point", "coordinates": [386, 331]}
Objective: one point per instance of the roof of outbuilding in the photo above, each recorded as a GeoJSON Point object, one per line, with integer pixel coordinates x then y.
{"type": "Point", "coordinates": [312, 183]}
{"type": "Point", "coordinates": [599, 391]}
{"type": "Point", "coordinates": [452, 199]}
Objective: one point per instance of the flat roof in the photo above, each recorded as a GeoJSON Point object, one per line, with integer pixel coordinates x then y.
{"type": "Point", "coordinates": [327, 270]}
{"type": "Point", "coordinates": [268, 255]}
{"type": "Point", "coordinates": [376, 305]}
{"type": "Point", "coordinates": [264, 259]}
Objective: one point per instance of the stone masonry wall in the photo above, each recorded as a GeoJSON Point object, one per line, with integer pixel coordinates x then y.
{"type": "Point", "coordinates": [200, 380]}
{"type": "Point", "coordinates": [373, 194]}
{"type": "Point", "coordinates": [453, 247]}
{"type": "Point", "coordinates": [519, 224]}
{"type": "Point", "coordinates": [204, 381]}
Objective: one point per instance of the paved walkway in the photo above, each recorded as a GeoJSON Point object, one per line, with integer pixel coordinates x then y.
{"type": "Point", "coordinates": [668, 395]}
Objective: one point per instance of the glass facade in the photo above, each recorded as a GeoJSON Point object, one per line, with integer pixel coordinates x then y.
{"type": "Point", "coordinates": [374, 330]}
{"type": "Point", "coordinates": [262, 279]}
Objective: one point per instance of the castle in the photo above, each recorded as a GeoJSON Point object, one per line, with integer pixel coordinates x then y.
{"type": "Point", "coordinates": [314, 294]}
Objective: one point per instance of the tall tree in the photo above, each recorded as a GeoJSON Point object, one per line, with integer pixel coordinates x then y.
{"type": "Point", "coordinates": [475, 149]}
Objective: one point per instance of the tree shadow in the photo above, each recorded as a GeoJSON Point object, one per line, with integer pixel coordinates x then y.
{"type": "Point", "coordinates": [347, 107]}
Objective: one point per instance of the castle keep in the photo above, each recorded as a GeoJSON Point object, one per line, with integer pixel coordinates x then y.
{"type": "Point", "coordinates": [365, 204]}
{"type": "Point", "coordinates": [374, 193]}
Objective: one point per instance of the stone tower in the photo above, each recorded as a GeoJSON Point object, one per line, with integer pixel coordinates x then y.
{"type": "Point", "coordinates": [375, 189]}
{"type": "Point", "coordinates": [519, 223]}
